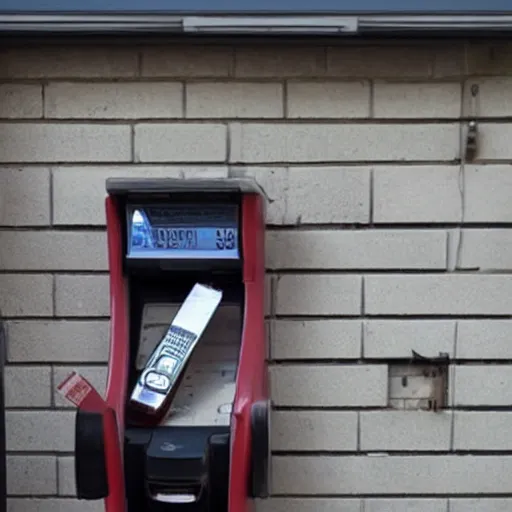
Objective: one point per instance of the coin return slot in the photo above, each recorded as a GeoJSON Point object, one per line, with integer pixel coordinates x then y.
{"type": "Point", "coordinates": [169, 494]}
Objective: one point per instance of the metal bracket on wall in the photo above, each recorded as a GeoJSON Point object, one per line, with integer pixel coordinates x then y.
{"type": "Point", "coordinates": [472, 129]}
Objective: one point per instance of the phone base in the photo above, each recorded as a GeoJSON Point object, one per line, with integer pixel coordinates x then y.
{"type": "Point", "coordinates": [186, 469]}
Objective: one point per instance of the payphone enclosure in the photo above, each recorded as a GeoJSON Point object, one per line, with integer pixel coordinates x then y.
{"type": "Point", "coordinates": [209, 450]}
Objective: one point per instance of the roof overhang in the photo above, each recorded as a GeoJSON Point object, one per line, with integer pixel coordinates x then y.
{"type": "Point", "coordinates": [251, 17]}
{"type": "Point", "coordinates": [328, 25]}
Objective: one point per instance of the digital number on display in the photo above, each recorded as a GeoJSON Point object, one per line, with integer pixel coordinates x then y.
{"type": "Point", "coordinates": [223, 239]}
{"type": "Point", "coordinates": [150, 240]}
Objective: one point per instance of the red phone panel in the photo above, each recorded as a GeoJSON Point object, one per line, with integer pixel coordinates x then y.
{"type": "Point", "coordinates": [251, 384]}
{"type": "Point", "coordinates": [118, 360]}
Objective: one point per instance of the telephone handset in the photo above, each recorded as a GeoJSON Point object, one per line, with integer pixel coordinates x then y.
{"type": "Point", "coordinates": [155, 387]}
{"type": "Point", "coordinates": [166, 364]}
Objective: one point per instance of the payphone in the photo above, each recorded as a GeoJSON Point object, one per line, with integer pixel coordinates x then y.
{"type": "Point", "coordinates": [184, 425]}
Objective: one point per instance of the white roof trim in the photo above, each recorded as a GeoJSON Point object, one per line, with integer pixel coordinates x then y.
{"type": "Point", "coordinates": [251, 24]}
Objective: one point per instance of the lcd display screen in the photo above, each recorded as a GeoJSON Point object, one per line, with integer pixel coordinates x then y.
{"type": "Point", "coordinates": [183, 232]}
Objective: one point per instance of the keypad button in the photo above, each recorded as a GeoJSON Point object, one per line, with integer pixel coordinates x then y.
{"type": "Point", "coordinates": [166, 365]}
{"type": "Point", "coordinates": [157, 381]}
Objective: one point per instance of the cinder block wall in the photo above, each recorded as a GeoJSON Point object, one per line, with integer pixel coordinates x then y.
{"type": "Point", "coordinates": [380, 241]}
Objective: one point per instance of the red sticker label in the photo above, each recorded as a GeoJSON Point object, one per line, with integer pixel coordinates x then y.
{"type": "Point", "coordinates": [75, 388]}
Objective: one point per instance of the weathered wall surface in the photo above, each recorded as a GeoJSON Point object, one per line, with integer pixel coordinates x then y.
{"type": "Point", "coordinates": [380, 241]}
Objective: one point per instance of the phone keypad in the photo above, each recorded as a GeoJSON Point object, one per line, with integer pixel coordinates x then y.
{"type": "Point", "coordinates": [168, 362]}
{"type": "Point", "coordinates": [177, 343]}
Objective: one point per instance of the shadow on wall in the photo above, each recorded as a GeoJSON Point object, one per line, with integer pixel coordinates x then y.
{"type": "Point", "coordinates": [3, 469]}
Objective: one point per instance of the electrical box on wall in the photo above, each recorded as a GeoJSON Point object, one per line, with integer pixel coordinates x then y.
{"type": "Point", "coordinates": [418, 386]}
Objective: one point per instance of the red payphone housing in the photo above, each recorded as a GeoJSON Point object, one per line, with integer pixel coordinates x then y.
{"type": "Point", "coordinates": [203, 456]}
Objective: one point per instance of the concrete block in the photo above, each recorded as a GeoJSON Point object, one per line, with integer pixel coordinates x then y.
{"type": "Point", "coordinates": [449, 59]}
{"type": "Point", "coordinates": [96, 375]}
{"type": "Point", "coordinates": [69, 61]}
{"type": "Point", "coordinates": [66, 473]}
{"type": "Point", "coordinates": [483, 385]}
{"type": "Point", "coordinates": [28, 386]}
{"type": "Point", "coordinates": [232, 100]}
{"type": "Point", "coordinates": [79, 295]}
{"type": "Point", "coordinates": [417, 100]}
{"type": "Point", "coordinates": [317, 195]}
{"type": "Point", "coordinates": [187, 61]}
{"type": "Point", "coordinates": [391, 475]}
{"type": "Point", "coordinates": [56, 250]}
{"type": "Point", "coordinates": [316, 339]}
{"type": "Point", "coordinates": [383, 61]}
{"type": "Point", "coordinates": [472, 431]}
{"type": "Point", "coordinates": [24, 196]}
{"type": "Point", "coordinates": [275, 183]}
{"type": "Point", "coordinates": [451, 385]}
{"type": "Point", "coordinates": [31, 475]}
{"type": "Point", "coordinates": [180, 143]}
{"type": "Point", "coordinates": [318, 295]}
{"type": "Point", "coordinates": [342, 249]}
{"type": "Point", "coordinates": [26, 294]}
{"type": "Point", "coordinates": [481, 504]}
{"type": "Point", "coordinates": [486, 249]}
{"type": "Point", "coordinates": [452, 253]}
{"type": "Point", "coordinates": [437, 294]}
{"type": "Point", "coordinates": [64, 143]}
{"type": "Point", "coordinates": [329, 385]}
{"type": "Point", "coordinates": [282, 143]}
{"type": "Point", "coordinates": [389, 339]}
{"type": "Point", "coordinates": [268, 294]}
{"type": "Point", "coordinates": [53, 505]}
{"type": "Point", "coordinates": [489, 58]}
{"type": "Point", "coordinates": [30, 431]}
{"type": "Point", "coordinates": [114, 100]}
{"type": "Point", "coordinates": [328, 99]}
{"type": "Point", "coordinates": [267, 338]}
{"type": "Point", "coordinates": [487, 193]}
{"type": "Point", "coordinates": [406, 505]}
{"type": "Point", "coordinates": [494, 141]}
{"type": "Point", "coordinates": [314, 431]}
{"type": "Point", "coordinates": [493, 97]}
{"type": "Point", "coordinates": [58, 341]}
{"type": "Point", "coordinates": [21, 101]}
{"type": "Point", "coordinates": [484, 339]}
{"type": "Point", "coordinates": [413, 431]}
{"type": "Point", "coordinates": [416, 194]}
{"type": "Point", "coordinates": [310, 504]}
{"type": "Point", "coordinates": [282, 61]}
{"type": "Point", "coordinates": [79, 192]}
